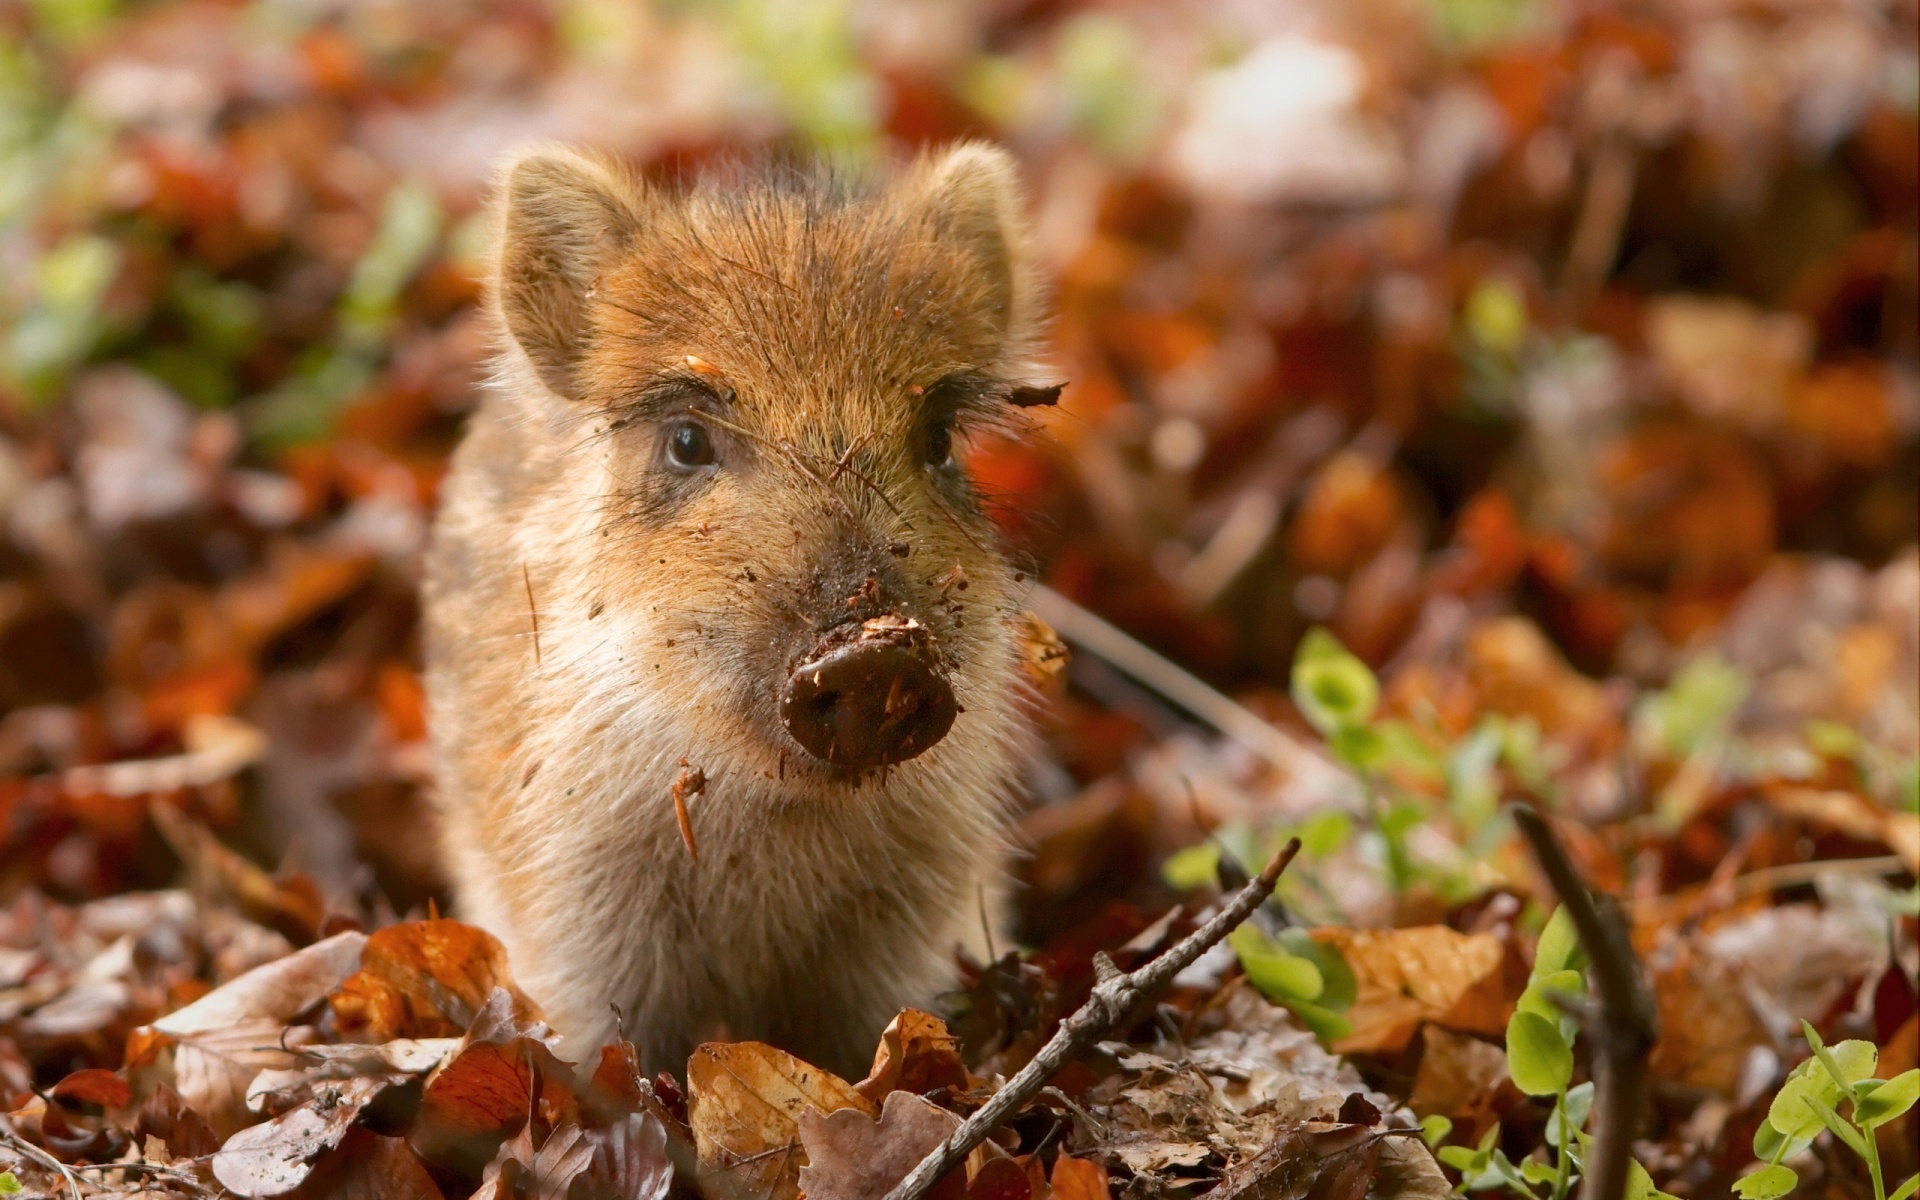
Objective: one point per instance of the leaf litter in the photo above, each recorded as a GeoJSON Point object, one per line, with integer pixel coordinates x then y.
{"type": "Point", "coordinates": [1569, 392]}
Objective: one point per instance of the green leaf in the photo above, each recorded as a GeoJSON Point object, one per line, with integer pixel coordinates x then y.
{"type": "Point", "coordinates": [1832, 739]}
{"type": "Point", "coordinates": [1538, 996]}
{"type": "Point", "coordinates": [1535, 1171]}
{"type": "Point", "coordinates": [9, 1184]}
{"type": "Point", "coordinates": [1325, 1024]}
{"type": "Point", "coordinates": [1574, 1110]}
{"type": "Point", "coordinates": [1325, 832]}
{"type": "Point", "coordinates": [1558, 948]}
{"type": "Point", "coordinates": [1339, 988]}
{"type": "Point", "coordinates": [1831, 1118]}
{"type": "Point", "coordinates": [1906, 1190]}
{"type": "Point", "coordinates": [1538, 1058]}
{"type": "Point", "coordinates": [1279, 974]}
{"type": "Point", "coordinates": [1640, 1184]}
{"type": "Point", "coordinates": [1496, 316]}
{"type": "Point", "coordinates": [1888, 1101]}
{"type": "Point", "coordinates": [1695, 709]}
{"type": "Point", "coordinates": [1768, 1183]}
{"type": "Point", "coordinates": [1403, 747]}
{"type": "Point", "coordinates": [410, 220]}
{"type": "Point", "coordinates": [1359, 746]}
{"type": "Point", "coordinates": [1333, 689]}
{"type": "Point", "coordinates": [1434, 1129]}
{"type": "Point", "coordinates": [1192, 867]}
{"type": "Point", "coordinates": [1502, 1168]}
{"type": "Point", "coordinates": [1770, 1145]}
{"type": "Point", "coordinates": [1791, 1115]}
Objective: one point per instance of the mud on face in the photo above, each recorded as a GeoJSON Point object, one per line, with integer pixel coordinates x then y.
{"type": "Point", "coordinates": [781, 376]}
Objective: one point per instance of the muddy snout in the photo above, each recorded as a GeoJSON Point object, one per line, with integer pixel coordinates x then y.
{"type": "Point", "coordinates": [869, 694]}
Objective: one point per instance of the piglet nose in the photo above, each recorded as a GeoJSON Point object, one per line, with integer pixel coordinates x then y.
{"type": "Point", "coordinates": [868, 695]}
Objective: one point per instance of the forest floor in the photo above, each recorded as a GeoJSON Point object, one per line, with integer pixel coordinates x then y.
{"type": "Point", "coordinates": [1483, 404]}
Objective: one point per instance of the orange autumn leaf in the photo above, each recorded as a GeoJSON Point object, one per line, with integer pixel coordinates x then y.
{"type": "Point", "coordinates": [744, 1101]}
{"type": "Point", "coordinates": [916, 1054]}
{"type": "Point", "coordinates": [423, 979]}
{"type": "Point", "coordinates": [1079, 1179]}
{"type": "Point", "coordinates": [1406, 977]}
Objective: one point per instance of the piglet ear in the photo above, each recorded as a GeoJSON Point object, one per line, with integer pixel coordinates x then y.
{"type": "Point", "coordinates": [565, 219]}
{"type": "Point", "coordinates": [970, 196]}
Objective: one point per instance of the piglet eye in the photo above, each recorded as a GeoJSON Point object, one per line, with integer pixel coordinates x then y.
{"type": "Point", "coordinates": [689, 446]}
{"type": "Point", "coordinates": [940, 443]}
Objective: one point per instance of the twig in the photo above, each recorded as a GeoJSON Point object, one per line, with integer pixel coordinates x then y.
{"type": "Point", "coordinates": [1112, 999]}
{"type": "Point", "coordinates": [11, 1137]}
{"type": "Point", "coordinates": [172, 1175]}
{"type": "Point", "coordinates": [1785, 875]}
{"type": "Point", "coordinates": [1164, 676]}
{"type": "Point", "coordinates": [1627, 1024]}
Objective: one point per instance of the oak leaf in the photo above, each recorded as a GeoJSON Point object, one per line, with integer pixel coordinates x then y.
{"type": "Point", "coordinates": [851, 1156]}
{"type": "Point", "coordinates": [1404, 977]}
{"type": "Point", "coordinates": [744, 1104]}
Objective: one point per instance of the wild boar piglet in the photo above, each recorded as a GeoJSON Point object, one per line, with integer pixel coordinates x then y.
{"type": "Point", "coordinates": [707, 536]}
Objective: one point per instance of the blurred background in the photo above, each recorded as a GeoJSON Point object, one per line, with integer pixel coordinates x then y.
{"type": "Point", "coordinates": [1560, 359]}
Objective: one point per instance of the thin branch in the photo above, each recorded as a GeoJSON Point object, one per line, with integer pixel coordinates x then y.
{"type": "Point", "coordinates": [1233, 719]}
{"type": "Point", "coordinates": [1627, 1023]}
{"type": "Point", "coordinates": [12, 1139]}
{"type": "Point", "coordinates": [1784, 875]}
{"type": "Point", "coordinates": [1113, 998]}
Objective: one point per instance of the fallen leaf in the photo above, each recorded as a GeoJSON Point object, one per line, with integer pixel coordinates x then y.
{"type": "Point", "coordinates": [370, 1167]}
{"type": "Point", "coordinates": [851, 1156]}
{"type": "Point", "coordinates": [275, 1158]}
{"type": "Point", "coordinates": [1458, 1074]}
{"type": "Point", "coordinates": [744, 1103]}
{"type": "Point", "coordinates": [1708, 1028]}
{"type": "Point", "coordinates": [1320, 1160]}
{"type": "Point", "coordinates": [519, 1172]}
{"type": "Point", "coordinates": [482, 1093]}
{"type": "Point", "coordinates": [424, 979]}
{"type": "Point", "coordinates": [1427, 973]}
{"type": "Point", "coordinates": [916, 1054]}
{"type": "Point", "coordinates": [1078, 1179]}
{"type": "Point", "coordinates": [630, 1161]}
{"type": "Point", "coordinates": [210, 1051]}
{"type": "Point", "coordinates": [1043, 656]}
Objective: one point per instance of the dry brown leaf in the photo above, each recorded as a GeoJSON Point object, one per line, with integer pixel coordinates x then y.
{"type": "Point", "coordinates": [519, 1172]}
{"type": "Point", "coordinates": [1319, 1160]}
{"type": "Point", "coordinates": [370, 1167]}
{"type": "Point", "coordinates": [424, 979]}
{"type": "Point", "coordinates": [744, 1103]}
{"type": "Point", "coordinates": [850, 1156]}
{"type": "Point", "coordinates": [210, 1051]}
{"type": "Point", "coordinates": [1043, 656]}
{"type": "Point", "coordinates": [273, 1091]}
{"type": "Point", "coordinates": [1426, 973]}
{"type": "Point", "coordinates": [276, 1158]}
{"type": "Point", "coordinates": [481, 1095]}
{"type": "Point", "coordinates": [1519, 673]}
{"type": "Point", "coordinates": [1458, 1074]}
{"type": "Point", "coordinates": [293, 907]}
{"type": "Point", "coordinates": [630, 1161]}
{"type": "Point", "coordinates": [1707, 1026]}
{"type": "Point", "coordinates": [916, 1054]}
